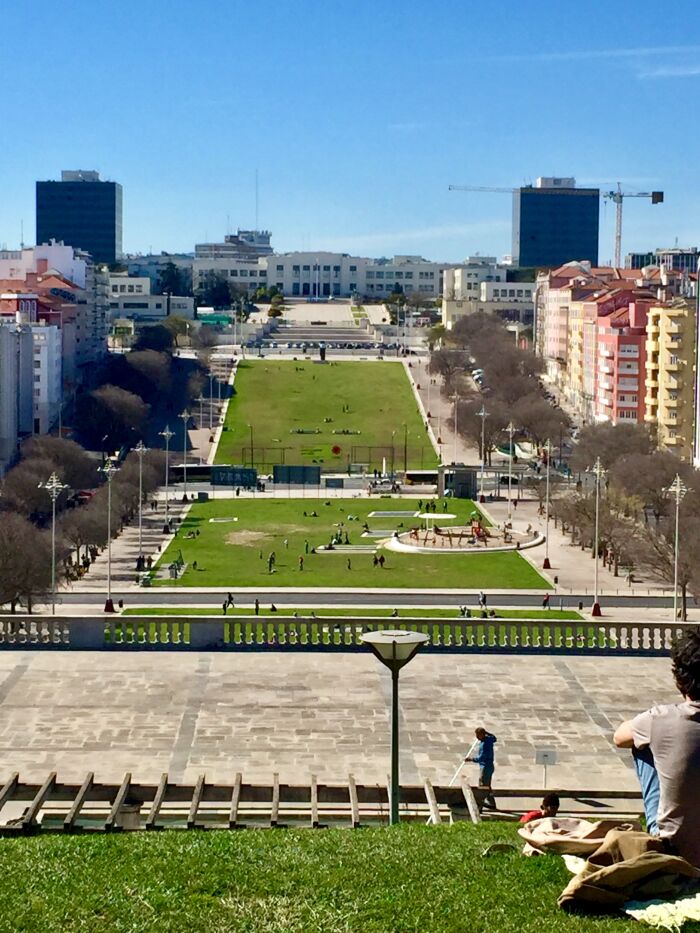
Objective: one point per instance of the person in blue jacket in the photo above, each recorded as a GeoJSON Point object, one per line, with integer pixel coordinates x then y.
{"type": "Point", "coordinates": [484, 758]}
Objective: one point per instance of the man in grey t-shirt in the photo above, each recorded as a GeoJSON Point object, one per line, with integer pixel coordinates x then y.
{"type": "Point", "coordinates": [665, 743]}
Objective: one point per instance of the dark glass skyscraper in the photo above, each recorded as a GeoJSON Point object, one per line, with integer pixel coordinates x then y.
{"type": "Point", "coordinates": [555, 222]}
{"type": "Point", "coordinates": [83, 212]}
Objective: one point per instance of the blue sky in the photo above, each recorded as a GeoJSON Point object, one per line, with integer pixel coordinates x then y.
{"type": "Point", "coordinates": [357, 116]}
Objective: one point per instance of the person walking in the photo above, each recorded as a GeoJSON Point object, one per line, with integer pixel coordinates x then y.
{"type": "Point", "coordinates": [485, 759]}
{"type": "Point", "coordinates": [257, 607]}
{"type": "Point", "coordinates": [301, 562]}
{"type": "Point", "coordinates": [230, 602]}
{"type": "Point", "coordinates": [349, 564]}
{"type": "Point", "coordinates": [545, 601]}
{"type": "Point", "coordinates": [482, 600]}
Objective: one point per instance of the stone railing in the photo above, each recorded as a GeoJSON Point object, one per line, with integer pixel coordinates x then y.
{"type": "Point", "coordinates": [284, 633]}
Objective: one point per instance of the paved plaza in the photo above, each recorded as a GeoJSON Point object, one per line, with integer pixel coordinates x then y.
{"type": "Point", "coordinates": [299, 714]}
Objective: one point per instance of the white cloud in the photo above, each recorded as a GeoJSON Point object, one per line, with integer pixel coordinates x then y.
{"type": "Point", "coordinates": [392, 241]}
{"type": "Point", "coordinates": [406, 127]}
{"type": "Point", "coordinates": [671, 71]}
{"type": "Point", "coordinates": [585, 54]}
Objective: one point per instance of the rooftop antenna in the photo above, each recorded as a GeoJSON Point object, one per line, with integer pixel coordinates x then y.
{"type": "Point", "coordinates": [256, 200]}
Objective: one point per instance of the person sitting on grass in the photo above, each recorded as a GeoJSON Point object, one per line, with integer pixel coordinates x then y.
{"type": "Point", "coordinates": [665, 743]}
{"type": "Point", "coordinates": [548, 807]}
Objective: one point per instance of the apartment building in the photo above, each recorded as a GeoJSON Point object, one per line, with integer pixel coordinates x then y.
{"type": "Point", "coordinates": [16, 399]}
{"type": "Point", "coordinates": [670, 374]}
{"type": "Point", "coordinates": [620, 366]}
{"type": "Point", "coordinates": [480, 284]}
{"type": "Point", "coordinates": [130, 297]}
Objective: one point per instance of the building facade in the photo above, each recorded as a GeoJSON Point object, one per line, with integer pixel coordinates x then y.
{"type": "Point", "coordinates": [554, 222]}
{"type": "Point", "coordinates": [670, 374]}
{"type": "Point", "coordinates": [83, 212]}
{"type": "Point", "coordinates": [679, 259]}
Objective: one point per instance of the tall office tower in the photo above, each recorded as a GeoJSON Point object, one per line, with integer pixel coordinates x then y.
{"type": "Point", "coordinates": [82, 212]}
{"type": "Point", "coordinates": [555, 222]}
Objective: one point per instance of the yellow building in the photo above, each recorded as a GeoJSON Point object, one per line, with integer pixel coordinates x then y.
{"type": "Point", "coordinates": [670, 375]}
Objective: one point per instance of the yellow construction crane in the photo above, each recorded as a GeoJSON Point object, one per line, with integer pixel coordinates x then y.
{"type": "Point", "coordinates": [617, 197]}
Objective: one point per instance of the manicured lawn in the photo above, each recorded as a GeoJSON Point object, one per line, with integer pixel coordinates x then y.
{"type": "Point", "coordinates": [332, 613]}
{"type": "Point", "coordinates": [279, 398]}
{"type": "Point", "coordinates": [235, 553]}
{"type": "Point", "coordinates": [408, 878]}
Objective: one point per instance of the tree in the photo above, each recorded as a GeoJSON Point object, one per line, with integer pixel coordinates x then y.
{"type": "Point", "coordinates": [70, 461]}
{"type": "Point", "coordinates": [448, 364]}
{"type": "Point", "coordinates": [214, 291]}
{"type": "Point", "coordinates": [642, 479]}
{"type": "Point", "coordinates": [173, 281]}
{"type": "Point", "coordinates": [436, 335]}
{"type": "Point", "coordinates": [610, 442]}
{"type": "Point", "coordinates": [114, 412]}
{"type": "Point", "coordinates": [154, 368]}
{"type": "Point", "coordinates": [155, 337]}
{"type": "Point", "coordinates": [21, 488]}
{"type": "Point", "coordinates": [274, 311]}
{"type": "Point", "coordinates": [25, 562]}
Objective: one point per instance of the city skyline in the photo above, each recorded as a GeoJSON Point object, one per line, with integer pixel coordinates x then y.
{"type": "Point", "coordinates": [355, 125]}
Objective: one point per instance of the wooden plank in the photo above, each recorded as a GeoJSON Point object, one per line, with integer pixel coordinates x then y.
{"type": "Point", "coordinates": [29, 819]}
{"type": "Point", "coordinates": [157, 801]}
{"type": "Point", "coordinates": [432, 803]}
{"type": "Point", "coordinates": [8, 788]}
{"type": "Point", "coordinates": [314, 802]}
{"type": "Point", "coordinates": [275, 809]}
{"type": "Point", "coordinates": [235, 801]}
{"type": "Point", "coordinates": [74, 812]}
{"type": "Point", "coordinates": [196, 800]}
{"type": "Point", "coordinates": [111, 821]}
{"type": "Point", "coordinates": [354, 803]}
{"type": "Point", "coordinates": [470, 801]}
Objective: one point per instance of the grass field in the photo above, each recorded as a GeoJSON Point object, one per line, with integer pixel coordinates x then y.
{"type": "Point", "coordinates": [280, 398]}
{"type": "Point", "coordinates": [235, 553]}
{"type": "Point", "coordinates": [414, 878]}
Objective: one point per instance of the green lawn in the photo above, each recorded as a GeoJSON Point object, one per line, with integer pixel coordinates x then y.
{"type": "Point", "coordinates": [408, 878]}
{"type": "Point", "coordinates": [235, 553]}
{"type": "Point", "coordinates": [332, 613]}
{"type": "Point", "coordinates": [279, 398]}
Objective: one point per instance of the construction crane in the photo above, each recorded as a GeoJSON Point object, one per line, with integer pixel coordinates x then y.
{"type": "Point", "coordinates": [617, 197]}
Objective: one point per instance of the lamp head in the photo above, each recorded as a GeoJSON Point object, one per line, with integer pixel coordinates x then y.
{"type": "Point", "coordinates": [394, 648]}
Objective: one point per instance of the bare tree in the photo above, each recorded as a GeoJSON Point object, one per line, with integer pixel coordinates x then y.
{"type": "Point", "coordinates": [25, 562]}
{"type": "Point", "coordinates": [610, 442]}
{"type": "Point", "coordinates": [72, 463]}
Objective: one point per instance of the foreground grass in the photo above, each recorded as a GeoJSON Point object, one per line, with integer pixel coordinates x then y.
{"type": "Point", "coordinates": [410, 878]}
{"type": "Point", "coordinates": [361, 611]}
{"type": "Point", "coordinates": [280, 396]}
{"type": "Point", "coordinates": [235, 553]}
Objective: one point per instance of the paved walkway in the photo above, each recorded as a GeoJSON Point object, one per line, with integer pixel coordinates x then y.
{"type": "Point", "coordinates": [442, 412]}
{"type": "Point", "coordinates": [328, 715]}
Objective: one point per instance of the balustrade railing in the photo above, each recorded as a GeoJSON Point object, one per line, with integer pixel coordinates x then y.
{"type": "Point", "coordinates": [251, 633]}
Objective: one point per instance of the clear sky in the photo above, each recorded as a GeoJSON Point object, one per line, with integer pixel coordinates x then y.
{"type": "Point", "coordinates": [356, 115]}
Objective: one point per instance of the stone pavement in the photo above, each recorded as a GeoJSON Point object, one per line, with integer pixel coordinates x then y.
{"type": "Point", "coordinates": [300, 714]}
{"type": "Point", "coordinates": [441, 410]}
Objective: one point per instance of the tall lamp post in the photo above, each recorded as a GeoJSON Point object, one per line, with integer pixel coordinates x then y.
{"type": "Point", "coordinates": [185, 415]}
{"type": "Point", "coordinates": [678, 489]}
{"type": "Point", "coordinates": [201, 401]}
{"type": "Point", "coordinates": [405, 451]}
{"type": "Point", "coordinates": [394, 649]}
{"type": "Point", "coordinates": [211, 401]}
{"type": "Point", "coordinates": [545, 563]}
{"type": "Point", "coordinates": [483, 414]}
{"type": "Point", "coordinates": [393, 435]}
{"type": "Point", "coordinates": [167, 434]}
{"type": "Point", "coordinates": [54, 487]}
{"type": "Point", "coordinates": [455, 401]}
{"type": "Point", "coordinates": [140, 450]}
{"type": "Point", "coordinates": [511, 431]}
{"type": "Point", "coordinates": [599, 472]}
{"type": "Point", "coordinates": [109, 470]}
{"type": "Point", "coordinates": [252, 447]}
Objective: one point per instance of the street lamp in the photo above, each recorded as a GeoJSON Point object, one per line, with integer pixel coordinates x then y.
{"type": "Point", "coordinates": [483, 414]}
{"type": "Point", "coordinates": [201, 401]}
{"type": "Point", "coordinates": [405, 450]}
{"type": "Point", "coordinates": [167, 434]}
{"type": "Point", "coordinates": [599, 472]}
{"type": "Point", "coordinates": [545, 563]}
{"type": "Point", "coordinates": [679, 489]}
{"type": "Point", "coordinates": [455, 400]}
{"type": "Point", "coordinates": [140, 450]}
{"type": "Point", "coordinates": [54, 487]}
{"type": "Point", "coordinates": [511, 431]}
{"type": "Point", "coordinates": [185, 415]}
{"type": "Point", "coordinates": [252, 448]}
{"type": "Point", "coordinates": [393, 435]}
{"type": "Point", "coordinates": [211, 401]}
{"type": "Point", "coordinates": [394, 649]}
{"type": "Point", "coordinates": [109, 470]}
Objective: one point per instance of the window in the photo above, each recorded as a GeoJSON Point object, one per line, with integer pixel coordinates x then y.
{"type": "Point", "coordinates": [280, 268]}
{"type": "Point", "coordinates": [307, 268]}
{"type": "Point", "coordinates": [353, 268]}
{"type": "Point", "coordinates": [115, 288]}
{"type": "Point", "coordinates": [295, 288]}
{"type": "Point", "coordinates": [370, 275]}
{"type": "Point", "coordinates": [380, 275]}
{"type": "Point", "coordinates": [409, 275]}
{"type": "Point", "coordinates": [399, 275]}
{"type": "Point", "coordinates": [130, 289]}
{"type": "Point", "coordinates": [253, 273]}
{"type": "Point", "coordinates": [244, 273]}
{"type": "Point", "coordinates": [326, 268]}
{"type": "Point", "coordinates": [280, 286]}
{"type": "Point", "coordinates": [316, 267]}
{"type": "Point", "coordinates": [234, 273]}
{"type": "Point", "coordinates": [336, 269]}
{"type": "Point", "coordinates": [353, 286]}
{"type": "Point", "coordinates": [37, 379]}
{"type": "Point", "coordinates": [37, 363]}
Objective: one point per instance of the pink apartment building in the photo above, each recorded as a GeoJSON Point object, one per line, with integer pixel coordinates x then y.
{"type": "Point", "coordinates": [621, 359]}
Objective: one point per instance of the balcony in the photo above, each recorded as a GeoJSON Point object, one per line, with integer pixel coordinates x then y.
{"type": "Point", "coordinates": [626, 404]}
{"type": "Point", "coordinates": [651, 401]}
{"type": "Point", "coordinates": [607, 353]}
{"type": "Point", "coordinates": [671, 402]}
{"type": "Point", "coordinates": [667, 421]}
{"type": "Point", "coordinates": [672, 441]}
{"type": "Point", "coordinates": [628, 371]}
{"type": "Point", "coordinates": [673, 367]}
{"type": "Point", "coordinates": [605, 384]}
{"type": "Point", "coordinates": [605, 368]}
{"type": "Point", "coordinates": [628, 385]}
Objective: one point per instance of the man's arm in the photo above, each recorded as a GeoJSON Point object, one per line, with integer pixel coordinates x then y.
{"type": "Point", "coordinates": [624, 737]}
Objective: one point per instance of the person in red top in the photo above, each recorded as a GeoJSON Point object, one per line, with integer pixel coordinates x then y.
{"type": "Point", "coordinates": [548, 807]}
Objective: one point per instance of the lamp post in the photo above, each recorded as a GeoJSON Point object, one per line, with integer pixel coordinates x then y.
{"type": "Point", "coordinates": [483, 414]}
{"type": "Point", "coordinates": [140, 449]}
{"type": "Point", "coordinates": [185, 415]}
{"type": "Point", "coordinates": [252, 447]}
{"type": "Point", "coordinates": [393, 435]}
{"type": "Point", "coordinates": [54, 487]}
{"type": "Point", "coordinates": [678, 489]}
{"type": "Point", "coordinates": [599, 472]}
{"type": "Point", "coordinates": [405, 451]}
{"type": "Point", "coordinates": [167, 434]}
{"type": "Point", "coordinates": [394, 649]}
{"type": "Point", "coordinates": [545, 563]}
{"type": "Point", "coordinates": [455, 401]}
{"type": "Point", "coordinates": [511, 431]}
{"type": "Point", "coordinates": [109, 470]}
{"type": "Point", "coordinates": [211, 400]}
{"type": "Point", "coordinates": [201, 401]}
